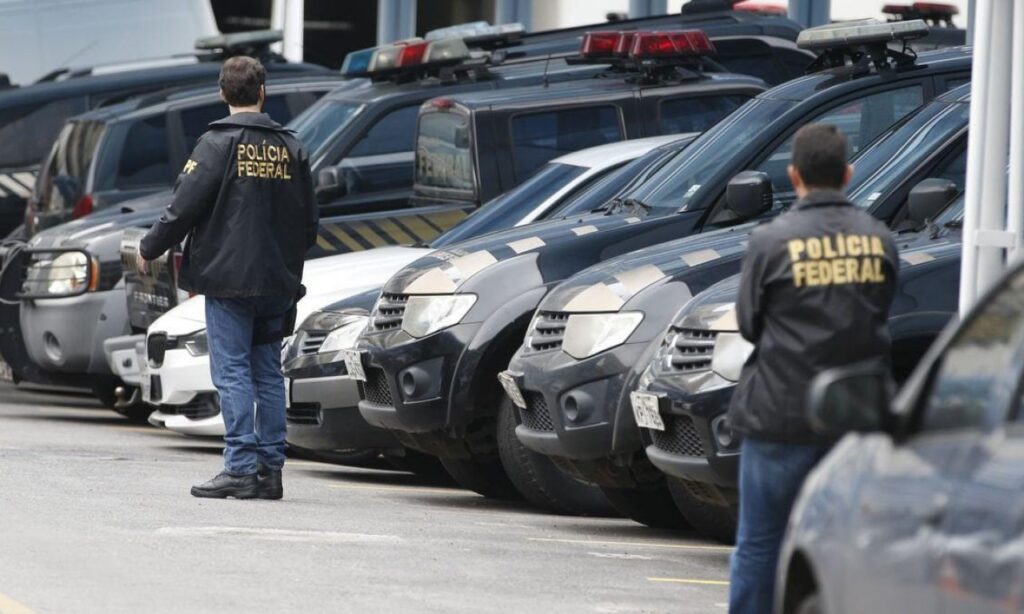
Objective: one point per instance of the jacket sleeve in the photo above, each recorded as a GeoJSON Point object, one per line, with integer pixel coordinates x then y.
{"type": "Point", "coordinates": [312, 210]}
{"type": "Point", "coordinates": [195, 193]}
{"type": "Point", "coordinates": [749, 305]}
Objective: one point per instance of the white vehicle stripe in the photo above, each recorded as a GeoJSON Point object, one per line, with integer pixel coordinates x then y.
{"type": "Point", "coordinates": [14, 187]}
{"type": "Point", "coordinates": [27, 179]}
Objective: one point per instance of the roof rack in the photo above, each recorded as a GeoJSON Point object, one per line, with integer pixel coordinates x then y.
{"type": "Point", "coordinates": [938, 14]}
{"type": "Point", "coordinates": [854, 42]}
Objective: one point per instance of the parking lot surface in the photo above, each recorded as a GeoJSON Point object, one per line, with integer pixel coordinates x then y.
{"type": "Point", "coordinates": [97, 518]}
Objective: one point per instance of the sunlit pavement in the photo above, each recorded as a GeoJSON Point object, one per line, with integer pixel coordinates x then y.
{"type": "Point", "coordinates": [95, 516]}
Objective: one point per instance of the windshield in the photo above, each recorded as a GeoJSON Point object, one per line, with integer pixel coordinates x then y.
{"type": "Point", "coordinates": [681, 180]}
{"type": "Point", "coordinates": [443, 157]}
{"type": "Point", "coordinates": [66, 172]}
{"type": "Point", "coordinates": [318, 123]}
{"type": "Point", "coordinates": [886, 163]}
{"type": "Point", "coordinates": [510, 208]}
{"type": "Point", "coordinates": [615, 183]}
{"type": "Point", "coordinates": [952, 214]}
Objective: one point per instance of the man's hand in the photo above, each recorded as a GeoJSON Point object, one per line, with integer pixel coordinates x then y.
{"type": "Point", "coordinates": [142, 265]}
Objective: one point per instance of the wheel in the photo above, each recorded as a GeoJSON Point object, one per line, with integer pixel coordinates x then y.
{"type": "Point", "coordinates": [422, 465]}
{"type": "Point", "coordinates": [350, 458]}
{"type": "Point", "coordinates": [710, 509]}
{"type": "Point", "coordinates": [103, 389]}
{"type": "Point", "coordinates": [649, 505]}
{"type": "Point", "coordinates": [484, 476]}
{"type": "Point", "coordinates": [811, 604]}
{"type": "Point", "coordinates": [539, 480]}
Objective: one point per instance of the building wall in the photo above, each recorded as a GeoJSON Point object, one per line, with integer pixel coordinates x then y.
{"type": "Point", "coordinates": [550, 14]}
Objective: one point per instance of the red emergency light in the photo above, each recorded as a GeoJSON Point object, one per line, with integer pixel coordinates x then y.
{"type": "Point", "coordinates": [599, 43]}
{"type": "Point", "coordinates": [625, 43]}
{"type": "Point", "coordinates": [936, 8]}
{"type": "Point", "coordinates": [761, 6]}
{"type": "Point", "coordinates": [668, 44]}
{"type": "Point", "coordinates": [412, 54]}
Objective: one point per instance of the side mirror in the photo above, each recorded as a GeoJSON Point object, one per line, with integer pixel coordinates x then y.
{"type": "Point", "coordinates": [749, 194]}
{"type": "Point", "coordinates": [852, 398]}
{"type": "Point", "coordinates": [329, 184]}
{"type": "Point", "coordinates": [928, 198]}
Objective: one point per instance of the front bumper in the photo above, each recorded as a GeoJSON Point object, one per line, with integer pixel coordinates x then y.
{"type": "Point", "coordinates": [427, 367]}
{"type": "Point", "coordinates": [124, 356]}
{"type": "Point", "coordinates": [180, 379]}
{"type": "Point", "coordinates": [201, 418]}
{"type": "Point", "coordinates": [323, 415]}
{"type": "Point", "coordinates": [66, 335]}
{"type": "Point", "coordinates": [578, 409]}
{"type": "Point", "coordinates": [688, 448]}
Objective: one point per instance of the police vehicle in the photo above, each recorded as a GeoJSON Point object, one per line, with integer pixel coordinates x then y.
{"type": "Point", "coordinates": [179, 381]}
{"type": "Point", "coordinates": [56, 333]}
{"type": "Point", "coordinates": [31, 117]}
{"type": "Point", "coordinates": [921, 509]}
{"type": "Point", "coordinates": [446, 325]}
{"type": "Point", "coordinates": [578, 407]}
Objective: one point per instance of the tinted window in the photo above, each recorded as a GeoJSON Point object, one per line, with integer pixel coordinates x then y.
{"type": "Point", "coordinates": [976, 376]}
{"type": "Point", "coordinates": [27, 133]}
{"type": "Point", "coordinates": [538, 138]}
{"type": "Point", "coordinates": [197, 120]}
{"type": "Point", "coordinates": [861, 119]}
{"type": "Point", "coordinates": [696, 114]}
{"type": "Point", "coordinates": [443, 156]}
{"type": "Point", "coordinates": [66, 171]}
{"type": "Point", "coordinates": [393, 133]}
{"type": "Point", "coordinates": [615, 183]}
{"type": "Point", "coordinates": [144, 158]}
{"type": "Point", "coordinates": [321, 121]}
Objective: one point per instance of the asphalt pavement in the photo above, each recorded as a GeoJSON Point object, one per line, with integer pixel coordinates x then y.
{"type": "Point", "coordinates": [95, 516]}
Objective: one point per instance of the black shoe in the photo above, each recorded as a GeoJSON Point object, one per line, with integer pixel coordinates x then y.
{"type": "Point", "coordinates": [270, 486]}
{"type": "Point", "coordinates": [225, 485]}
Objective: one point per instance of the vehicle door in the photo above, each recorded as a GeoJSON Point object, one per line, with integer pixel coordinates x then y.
{"type": "Point", "coordinates": [905, 525]}
{"type": "Point", "coordinates": [376, 173]}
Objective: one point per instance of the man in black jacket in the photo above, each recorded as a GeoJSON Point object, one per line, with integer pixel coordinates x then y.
{"type": "Point", "coordinates": [245, 202]}
{"type": "Point", "coordinates": [815, 292]}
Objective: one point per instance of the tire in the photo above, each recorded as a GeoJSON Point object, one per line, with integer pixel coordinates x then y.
{"type": "Point", "coordinates": [483, 476]}
{"type": "Point", "coordinates": [539, 480]}
{"type": "Point", "coordinates": [650, 505]}
{"type": "Point", "coordinates": [349, 458]}
{"type": "Point", "coordinates": [811, 604]}
{"type": "Point", "coordinates": [103, 390]}
{"type": "Point", "coordinates": [422, 465]}
{"type": "Point", "coordinates": [709, 509]}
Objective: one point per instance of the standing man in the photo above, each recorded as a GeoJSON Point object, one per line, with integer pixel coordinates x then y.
{"type": "Point", "coordinates": [245, 202]}
{"type": "Point", "coordinates": [815, 292]}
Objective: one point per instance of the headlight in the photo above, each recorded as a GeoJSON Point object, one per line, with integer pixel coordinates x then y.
{"type": "Point", "coordinates": [324, 321]}
{"type": "Point", "coordinates": [425, 315]}
{"type": "Point", "coordinates": [67, 274]}
{"type": "Point", "coordinates": [587, 334]}
{"type": "Point", "coordinates": [196, 344]}
{"type": "Point", "coordinates": [345, 336]}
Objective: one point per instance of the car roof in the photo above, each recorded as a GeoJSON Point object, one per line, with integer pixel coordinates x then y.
{"type": "Point", "coordinates": [611, 154]}
{"type": "Point", "coordinates": [803, 87]}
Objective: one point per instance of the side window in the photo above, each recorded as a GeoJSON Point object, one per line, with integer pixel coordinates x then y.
{"type": "Point", "coordinates": [27, 133]}
{"type": "Point", "coordinates": [144, 159]}
{"type": "Point", "coordinates": [196, 121]}
{"type": "Point", "coordinates": [975, 378]}
{"type": "Point", "coordinates": [954, 169]}
{"type": "Point", "coordinates": [682, 115]}
{"type": "Point", "coordinates": [862, 120]}
{"type": "Point", "coordinates": [278, 109]}
{"type": "Point", "coordinates": [394, 133]}
{"type": "Point", "coordinates": [537, 138]}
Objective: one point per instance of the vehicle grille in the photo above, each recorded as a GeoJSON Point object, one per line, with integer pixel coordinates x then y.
{"type": "Point", "coordinates": [547, 332]}
{"type": "Point", "coordinates": [311, 341]}
{"type": "Point", "coordinates": [156, 347]}
{"type": "Point", "coordinates": [110, 274]}
{"type": "Point", "coordinates": [375, 389]}
{"type": "Point", "coordinates": [680, 437]}
{"type": "Point", "coordinates": [692, 349]}
{"type": "Point", "coordinates": [389, 311]}
{"type": "Point", "coordinates": [303, 413]}
{"type": "Point", "coordinates": [197, 409]}
{"type": "Point", "coordinates": [536, 416]}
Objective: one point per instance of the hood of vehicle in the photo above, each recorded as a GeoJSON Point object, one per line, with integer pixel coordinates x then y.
{"type": "Point", "coordinates": [448, 270]}
{"type": "Point", "coordinates": [187, 318]}
{"type": "Point", "coordinates": [608, 286]}
{"type": "Point", "coordinates": [139, 213]}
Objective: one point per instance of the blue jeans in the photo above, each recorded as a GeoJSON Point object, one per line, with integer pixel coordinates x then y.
{"type": "Point", "coordinates": [249, 381]}
{"type": "Point", "coordinates": [771, 475]}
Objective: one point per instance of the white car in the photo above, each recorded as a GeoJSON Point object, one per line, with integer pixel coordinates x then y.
{"type": "Point", "coordinates": [176, 376]}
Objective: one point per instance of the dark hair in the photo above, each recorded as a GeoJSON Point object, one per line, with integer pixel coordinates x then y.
{"type": "Point", "coordinates": [819, 155]}
{"type": "Point", "coordinates": [241, 78]}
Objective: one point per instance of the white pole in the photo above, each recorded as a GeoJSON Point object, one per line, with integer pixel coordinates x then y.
{"type": "Point", "coordinates": [1015, 204]}
{"type": "Point", "coordinates": [277, 22]}
{"type": "Point", "coordinates": [294, 20]}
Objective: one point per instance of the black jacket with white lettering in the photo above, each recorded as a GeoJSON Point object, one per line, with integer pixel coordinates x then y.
{"type": "Point", "coordinates": [815, 292]}
{"type": "Point", "coordinates": [245, 202]}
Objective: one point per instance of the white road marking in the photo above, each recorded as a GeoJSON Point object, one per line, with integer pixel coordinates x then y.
{"type": "Point", "coordinates": [592, 542]}
{"type": "Point", "coordinates": [287, 535]}
{"type": "Point", "coordinates": [619, 555]}
{"type": "Point", "coordinates": [690, 581]}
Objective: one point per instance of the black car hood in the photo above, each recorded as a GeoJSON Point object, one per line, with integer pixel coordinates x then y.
{"type": "Point", "coordinates": [138, 213]}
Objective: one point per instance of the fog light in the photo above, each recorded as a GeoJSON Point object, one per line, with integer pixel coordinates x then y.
{"type": "Point", "coordinates": [576, 406]}
{"type": "Point", "coordinates": [52, 347]}
{"type": "Point", "coordinates": [724, 435]}
{"type": "Point", "coordinates": [408, 384]}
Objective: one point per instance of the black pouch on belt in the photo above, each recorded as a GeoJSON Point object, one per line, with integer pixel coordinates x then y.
{"type": "Point", "coordinates": [275, 328]}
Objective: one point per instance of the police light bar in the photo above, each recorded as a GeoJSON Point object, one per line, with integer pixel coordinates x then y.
{"type": "Point", "coordinates": [599, 43]}
{"type": "Point", "coordinates": [477, 30]}
{"type": "Point", "coordinates": [936, 8]}
{"type": "Point", "coordinates": [861, 32]}
{"type": "Point", "coordinates": [668, 44]}
{"type": "Point", "coordinates": [409, 54]}
{"type": "Point", "coordinates": [762, 7]}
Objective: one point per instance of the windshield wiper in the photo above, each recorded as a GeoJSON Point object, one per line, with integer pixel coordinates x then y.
{"type": "Point", "coordinates": [631, 205]}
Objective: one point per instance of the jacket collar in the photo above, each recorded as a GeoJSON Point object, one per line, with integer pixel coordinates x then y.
{"type": "Point", "coordinates": [249, 120]}
{"type": "Point", "coordinates": [822, 198]}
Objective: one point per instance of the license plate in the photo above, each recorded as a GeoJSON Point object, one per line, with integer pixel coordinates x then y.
{"type": "Point", "coordinates": [6, 373]}
{"type": "Point", "coordinates": [512, 389]}
{"type": "Point", "coordinates": [645, 410]}
{"type": "Point", "coordinates": [354, 364]}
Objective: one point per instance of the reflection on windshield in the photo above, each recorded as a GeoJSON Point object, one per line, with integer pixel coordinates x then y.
{"type": "Point", "coordinates": [319, 122]}
{"type": "Point", "coordinates": [616, 183]}
{"type": "Point", "coordinates": [681, 181]}
{"type": "Point", "coordinates": [886, 162]}
{"type": "Point", "coordinates": [510, 208]}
